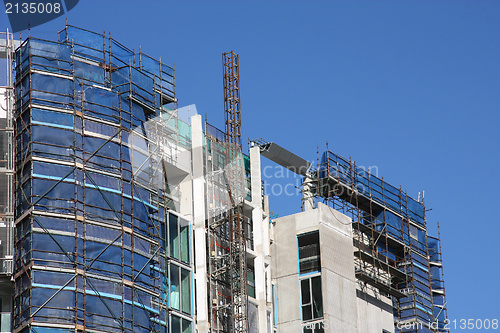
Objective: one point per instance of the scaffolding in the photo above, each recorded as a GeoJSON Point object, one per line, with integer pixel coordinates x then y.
{"type": "Point", "coordinates": [226, 232]}
{"type": "Point", "coordinates": [6, 154]}
{"type": "Point", "coordinates": [390, 237]}
{"type": "Point", "coordinates": [437, 278]}
{"type": "Point", "coordinates": [227, 227]}
{"type": "Point", "coordinates": [99, 243]}
{"type": "Point", "coordinates": [232, 106]}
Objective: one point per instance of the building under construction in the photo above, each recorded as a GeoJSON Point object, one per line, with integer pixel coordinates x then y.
{"type": "Point", "coordinates": [364, 260]}
{"type": "Point", "coordinates": [123, 212]}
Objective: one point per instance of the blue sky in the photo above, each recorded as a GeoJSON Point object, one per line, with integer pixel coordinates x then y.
{"type": "Point", "coordinates": [410, 87]}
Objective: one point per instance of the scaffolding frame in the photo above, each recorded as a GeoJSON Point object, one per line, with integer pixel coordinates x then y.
{"type": "Point", "coordinates": [232, 106]}
{"type": "Point", "coordinates": [391, 240]}
{"type": "Point", "coordinates": [113, 248]}
{"type": "Point", "coordinates": [226, 235]}
{"type": "Point", "coordinates": [7, 47]}
{"type": "Point", "coordinates": [226, 190]}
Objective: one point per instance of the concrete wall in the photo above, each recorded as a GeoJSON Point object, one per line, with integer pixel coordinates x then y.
{"type": "Point", "coordinates": [284, 268]}
{"type": "Point", "coordinates": [374, 310]}
{"type": "Point", "coordinates": [346, 308]}
{"type": "Point", "coordinates": [337, 267]}
{"type": "Point", "coordinates": [260, 255]}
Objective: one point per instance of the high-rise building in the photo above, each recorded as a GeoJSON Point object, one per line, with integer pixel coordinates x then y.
{"type": "Point", "coordinates": [121, 212]}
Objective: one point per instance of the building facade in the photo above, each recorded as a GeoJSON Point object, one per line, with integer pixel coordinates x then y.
{"type": "Point", "coordinates": [121, 212]}
{"type": "Point", "coordinates": [317, 290]}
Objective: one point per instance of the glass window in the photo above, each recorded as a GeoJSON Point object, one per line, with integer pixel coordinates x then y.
{"type": "Point", "coordinates": [175, 324]}
{"type": "Point", "coordinates": [317, 299]}
{"type": "Point", "coordinates": [186, 290]}
{"type": "Point", "coordinates": [314, 327]}
{"type": "Point", "coordinates": [180, 325]}
{"type": "Point", "coordinates": [251, 282]}
{"type": "Point", "coordinates": [173, 235]}
{"type": "Point", "coordinates": [186, 326]}
{"type": "Point", "coordinates": [184, 240]}
{"type": "Point", "coordinates": [413, 232]}
{"type": "Point", "coordinates": [309, 254]}
{"type": "Point", "coordinates": [305, 291]}
{"type": "Point", "coordinates": [179, 235]}
{"type": "Point", "coordinates": [180, 289]}
{"type": "Point", "coordinates": [163, 236]}
{"type": "Point", "coordinates": [174, 287]}
{"type": "Point", "coordinates": [311, 298]}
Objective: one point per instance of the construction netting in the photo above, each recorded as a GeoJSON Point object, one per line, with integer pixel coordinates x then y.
{"type": "Point", "coordinates": [99, 243]}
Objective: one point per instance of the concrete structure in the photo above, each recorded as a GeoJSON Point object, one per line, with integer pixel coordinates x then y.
{"type": "Point", "coordinates": [121, 212]}
{"type": "Point", "coordinates": [364, 260]}
{"type": "Point", "coordinates": [347, 304]}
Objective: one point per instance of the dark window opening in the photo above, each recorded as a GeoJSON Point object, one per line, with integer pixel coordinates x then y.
{"type": "Point", "coordinates": [309, 255]}
{"type": "Point", "coordinates": [251, 280]}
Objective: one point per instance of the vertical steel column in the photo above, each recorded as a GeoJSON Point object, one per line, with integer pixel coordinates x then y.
{"type": "Point", "coordinates": [232, 107]}
{"type": "Point", "coordinates": [238, 265]}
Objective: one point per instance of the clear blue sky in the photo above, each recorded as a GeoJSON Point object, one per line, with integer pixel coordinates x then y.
{"type": "Point", "coordinates": [411, 87]}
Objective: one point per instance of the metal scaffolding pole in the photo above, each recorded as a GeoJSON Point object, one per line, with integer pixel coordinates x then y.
{"type": "Point", "coordinates": [232, 107]}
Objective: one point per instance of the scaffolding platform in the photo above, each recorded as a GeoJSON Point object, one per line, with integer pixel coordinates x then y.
{"type": "Point", "coordinates": [363, 276]}
{"type": "Point", "coordinates": [396, 274]}
{"type": "Point", "coordinates": [383, 236]}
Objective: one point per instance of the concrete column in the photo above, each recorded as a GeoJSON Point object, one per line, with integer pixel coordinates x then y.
{"type": "Point", "coordinates": [266, 246]}
{"type": "Point", "coordinates": [260, 237]}
{"type": "Point", "coordinates": [256, 176]}
{"type": "Point", "coordinates": [186, 199]}
{"type": "Point", "coordinates": [308, 197]}
{"type": "Point", "coordinates": [199, 225]}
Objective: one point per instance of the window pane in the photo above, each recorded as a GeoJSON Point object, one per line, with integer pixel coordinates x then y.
{"type": "Point", "coordinates": [174, 236]}
{"type": "Point", "coordinates": [413, 232]}
{"type": "Point", "coordinates": [305, 291]}
{"type": "Point", "coordinates": [306, 312]}
{"type": "Point", "coordinates": [186, 290]}
{"type": "Point", "coordinates": [251, 282]}
{"type": "Point", "coordinates": [186, 326]}
{"type": "Point", "coordinates": [176, 324]}
{"type": "Point", "coordinates": [184, 240]}
{"type": "Point", "coordinates": [317, 299]}
{"type": "Point", "coordinates": [163, 236]}
{"type": "Point", "coordinates": [174, 287]}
